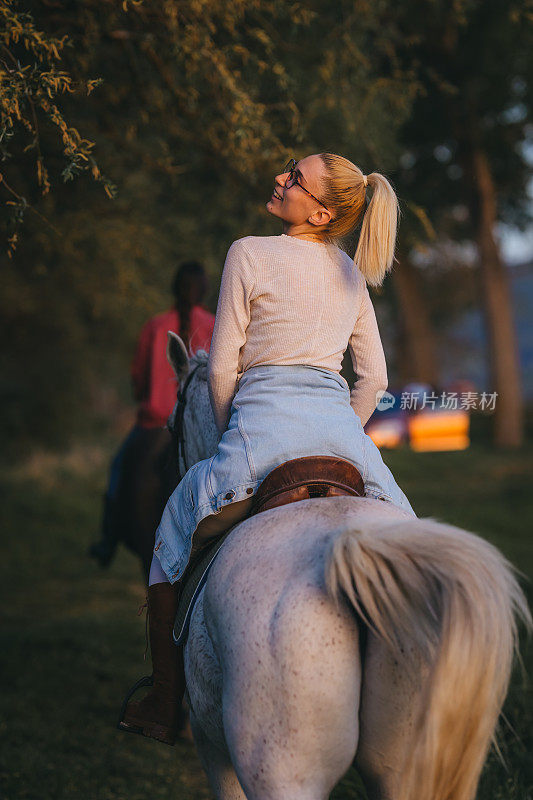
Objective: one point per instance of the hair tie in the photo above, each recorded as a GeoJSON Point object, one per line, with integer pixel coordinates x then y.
{"type": "Point", "coordinates": [365, 180]}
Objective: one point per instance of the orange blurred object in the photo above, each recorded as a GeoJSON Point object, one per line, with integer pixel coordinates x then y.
{"type": "Point", "coordinates": [439, 430]}
{"type": "Point", "coordinates": [387, 432]}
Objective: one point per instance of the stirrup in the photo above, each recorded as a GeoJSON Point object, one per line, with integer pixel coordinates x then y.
{"type": "Point", "coordinates": [148, 680]}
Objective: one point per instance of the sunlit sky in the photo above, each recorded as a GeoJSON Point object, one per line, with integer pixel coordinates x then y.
{"type": "Point", "coordinates": [516, 246]}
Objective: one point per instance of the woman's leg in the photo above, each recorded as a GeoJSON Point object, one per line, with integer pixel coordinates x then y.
{"type": "Point", "coordinates": [156, 572]}
{"type": "Point", "coordinates": [158, 714]}
{"type": "Point", "coordinates": [215, 524]}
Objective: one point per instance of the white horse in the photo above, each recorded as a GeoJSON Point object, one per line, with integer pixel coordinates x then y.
{"type": "Point", "coordinates": [282, 697]}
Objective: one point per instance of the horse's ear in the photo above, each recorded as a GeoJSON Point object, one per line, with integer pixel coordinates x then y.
{"type": "Point", "coordinates": [177, 355]}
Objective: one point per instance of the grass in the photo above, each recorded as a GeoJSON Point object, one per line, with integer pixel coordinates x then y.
{"type": "Point", "coordinates": [71, 642]}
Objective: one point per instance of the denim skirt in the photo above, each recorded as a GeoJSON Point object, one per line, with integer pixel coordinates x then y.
{"type": "Point", "coordinates": [278, 413]}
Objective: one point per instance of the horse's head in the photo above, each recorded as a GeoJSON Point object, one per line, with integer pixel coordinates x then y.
{"type": "Point", "coordinates": [192, 420]}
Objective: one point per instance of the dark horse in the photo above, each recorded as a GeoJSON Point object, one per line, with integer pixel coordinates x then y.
{"type": "Point", "coordinates": [148, 467]}
{"type": "Point", "coordinates": [143, 475]}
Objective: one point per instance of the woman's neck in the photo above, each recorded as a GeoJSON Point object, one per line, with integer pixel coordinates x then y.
{"type": "Point", "coordinates": [303, 232]}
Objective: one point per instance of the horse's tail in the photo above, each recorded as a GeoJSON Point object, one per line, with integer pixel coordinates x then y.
{"type": "Point", "coordinates": [451, 595]}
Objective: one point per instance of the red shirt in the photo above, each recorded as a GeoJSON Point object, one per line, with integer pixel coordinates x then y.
{"type": "Point", "coordinates": [154, 383]}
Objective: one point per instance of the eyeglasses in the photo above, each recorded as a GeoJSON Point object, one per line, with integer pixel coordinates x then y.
{"type": "Point", "coordinates": [290, 167]}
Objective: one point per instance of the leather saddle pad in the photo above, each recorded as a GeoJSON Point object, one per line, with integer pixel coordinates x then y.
{"type": "Point", "coordinates": [309, 476]}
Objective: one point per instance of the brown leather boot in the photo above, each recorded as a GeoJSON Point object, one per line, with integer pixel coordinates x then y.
{"type": "Point", "coordinates": [158, 714]}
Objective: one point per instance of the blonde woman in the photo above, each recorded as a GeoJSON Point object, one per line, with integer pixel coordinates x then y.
{"type": "Point", "coordinates": [288, 308]}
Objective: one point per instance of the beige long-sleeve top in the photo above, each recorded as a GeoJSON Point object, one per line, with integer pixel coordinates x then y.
{"type": "Point", "coordinates": [285, 300]}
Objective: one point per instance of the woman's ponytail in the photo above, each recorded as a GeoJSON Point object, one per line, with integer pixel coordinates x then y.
{"type": "Point", "coordinates": [375, 251]}
{"type": "Point", "coordinates": [345, 190]}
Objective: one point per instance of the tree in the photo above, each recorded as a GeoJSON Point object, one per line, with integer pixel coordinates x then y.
{"type": "Point", "coordinates": [466, 136]}
{"type": "Point", "coordinates": [30, 82]}
{"type": "Point", "coordinates": [199, 106]}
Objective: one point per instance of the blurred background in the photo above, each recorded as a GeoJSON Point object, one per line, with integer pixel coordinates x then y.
{"type": "Point", "coordinates": [136, 136]}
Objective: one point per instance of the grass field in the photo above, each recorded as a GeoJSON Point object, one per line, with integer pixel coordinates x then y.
{"type": "Point", "coordinates": [72, 642]}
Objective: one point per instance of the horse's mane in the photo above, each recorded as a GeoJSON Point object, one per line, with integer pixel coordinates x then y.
{"type": "Point", "coordinates": [199, 359]}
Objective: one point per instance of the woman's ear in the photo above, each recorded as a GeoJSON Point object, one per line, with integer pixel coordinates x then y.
{"type": "Point", "coordinates": [320, 217]}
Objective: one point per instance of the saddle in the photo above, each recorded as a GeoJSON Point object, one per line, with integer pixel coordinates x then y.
{"type": "Point", "coordinates": [297, 479]}
{"type": "Point", "coordinates": [310, 476]}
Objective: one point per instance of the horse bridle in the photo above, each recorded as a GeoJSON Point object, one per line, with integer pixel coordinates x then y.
{"type": "Point", "coordinates": [175, 424]}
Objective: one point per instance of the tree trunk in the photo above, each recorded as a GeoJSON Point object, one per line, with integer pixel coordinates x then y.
{"type": "Point", "coordinates": [417, 359]}
{"type": "Point", "coordinates": [503, 346]}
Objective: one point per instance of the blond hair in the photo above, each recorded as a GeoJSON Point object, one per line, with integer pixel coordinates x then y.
{"type": "Point", "coordinates": [344, 194]}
